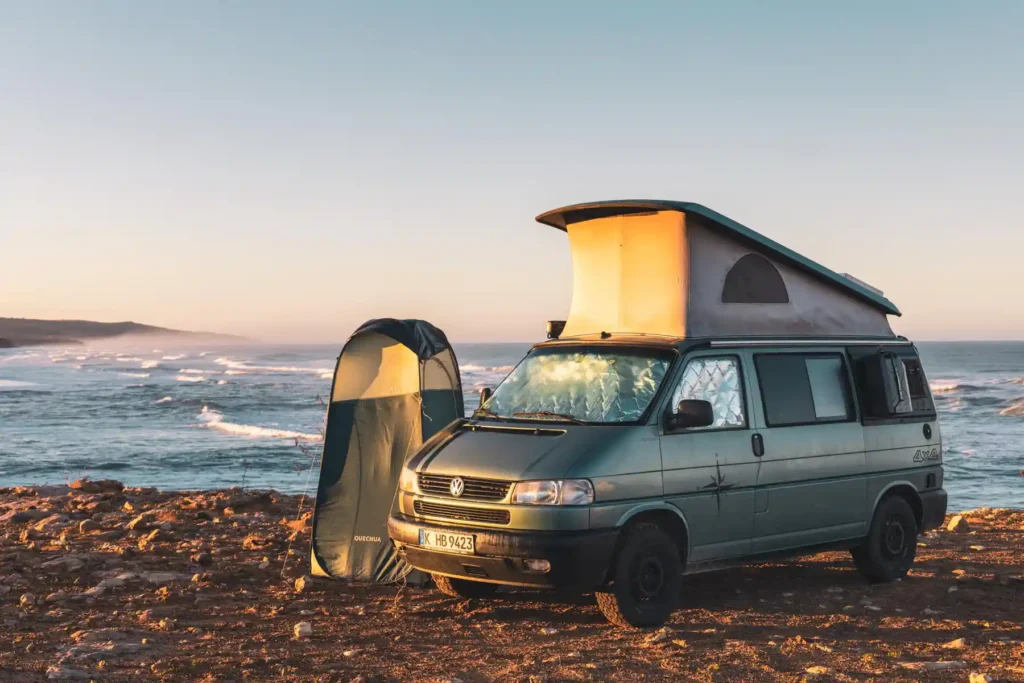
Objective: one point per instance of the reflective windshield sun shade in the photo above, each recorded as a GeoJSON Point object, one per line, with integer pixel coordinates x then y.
{"type": "Point", "coordinates": [583, 384]}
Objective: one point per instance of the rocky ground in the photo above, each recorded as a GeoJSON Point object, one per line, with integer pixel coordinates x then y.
{"type": "Point", "coordinates": [108, 583]}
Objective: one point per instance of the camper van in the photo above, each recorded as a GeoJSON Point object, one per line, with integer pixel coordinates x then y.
{"type": "Point", "coordinates": [712, 398]}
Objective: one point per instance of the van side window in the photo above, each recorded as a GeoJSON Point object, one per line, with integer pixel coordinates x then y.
{"type": "Point", "coordinates": [893, 385]}
{"type": "Point", "coordinates": [717, 381]}
{"type": "Point", "coordinates": [804, 388]}
{"type": "Point", "coordinates": [920, 397]}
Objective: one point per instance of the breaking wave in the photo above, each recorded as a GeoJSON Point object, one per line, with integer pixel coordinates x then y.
{"type": "Point", "coordinates": [248, 367]}
{"type": "Point", "coordinates": [165, 399]}
{"type": "Point", "coordinates": [177, 357]}
{"type": "Point", "coordinates": [193, 371]}
{"type": "Point", "coordinates": [149, 364]}
{"type": "Point", "coordinates": [946, 387]}
{"type": "Point", "coordinates": [942, 387]}
{"type": "Point", "coordinates": [6, 384]}
{"type": "Point", "coordinates": [1015, 409]}
{"type": "Point", "coordinates": [470, 367]}
{"type": "Point", "coordinates": [190, 378]}
{"type": "Point", "coordinates": [215, 420]}
{"type": "Point", "coordinates": [134, 374]}
{"type": "Point", "coordinates": [128, 359]}
{"type": "Point", "coordinates": [20, 356]}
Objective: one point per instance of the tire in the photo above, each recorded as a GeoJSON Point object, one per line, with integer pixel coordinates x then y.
{"type": "Point", "coordinates": [888, 552]}
{"type": "Point", "coordinates": [646, 579]}
{"type": "Point", "coordinates": [463, 588]}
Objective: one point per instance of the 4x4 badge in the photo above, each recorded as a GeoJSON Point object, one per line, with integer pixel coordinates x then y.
{"type": "Point", "coordinates": [924, 455]}
{"type": "Point", "coordinates": [457, 487]}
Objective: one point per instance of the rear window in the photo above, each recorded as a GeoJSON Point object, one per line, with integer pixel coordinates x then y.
{"type": "Point", "coordinates": [804, 388]}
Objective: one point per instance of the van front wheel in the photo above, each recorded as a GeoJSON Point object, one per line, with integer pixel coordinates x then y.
{"type": "Point", "coordinates": [888, 552]}
{"type": "Point", "coordinates": [646, 580]}
{"type": "Point", "coordinates": [462, 588]}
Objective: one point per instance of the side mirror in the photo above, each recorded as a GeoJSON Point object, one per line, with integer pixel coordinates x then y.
{"type": "Point", "coordinates": [485, 394]}
{"type": "Point", "coordinates": [692, 413]}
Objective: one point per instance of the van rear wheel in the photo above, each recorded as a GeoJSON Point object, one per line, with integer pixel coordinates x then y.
{"type": "Point", "coordinates": [646, 580]}
{"type": "Point", "coordinates": [462, 588]}
{"type": "Point", "coordinates": [888, 552]}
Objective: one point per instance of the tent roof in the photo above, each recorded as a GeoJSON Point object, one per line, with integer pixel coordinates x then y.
{"type": "Point", "coordinates": [576, 213]}
{"type": "Point", "coordinates": [422, 338]}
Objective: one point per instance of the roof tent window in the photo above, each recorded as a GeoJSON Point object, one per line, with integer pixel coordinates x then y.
{"type": "Point", "coordinates": [754, 280]}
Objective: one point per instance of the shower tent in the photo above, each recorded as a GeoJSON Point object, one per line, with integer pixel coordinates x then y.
{"type": "Point", "coordinates": [395, 385]}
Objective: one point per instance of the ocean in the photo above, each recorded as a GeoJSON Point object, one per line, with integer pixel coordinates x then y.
{"type": "Point", "coordinates": [186, 418]}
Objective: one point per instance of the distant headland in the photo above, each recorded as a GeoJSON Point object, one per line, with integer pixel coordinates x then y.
{"type": "Point", "coordinates": [27, 332]}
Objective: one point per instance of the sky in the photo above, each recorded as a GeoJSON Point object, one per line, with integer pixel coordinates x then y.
{"type": "Point", "coordinates": [287, 170]}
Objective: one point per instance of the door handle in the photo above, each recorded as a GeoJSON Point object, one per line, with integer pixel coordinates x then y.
{"type": "Point", "coordinates": [757, 443]}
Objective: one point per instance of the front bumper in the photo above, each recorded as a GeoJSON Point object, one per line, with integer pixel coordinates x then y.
{"type": "Point", "coordinates": [933, 509]}
{"type": "Point", "coordinates": [579, 559]}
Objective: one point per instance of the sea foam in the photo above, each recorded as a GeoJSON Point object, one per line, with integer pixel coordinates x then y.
{"type": "Point", "coordinates": [243, 367]}
{"type": "Point", "coordinates": [215, 420]}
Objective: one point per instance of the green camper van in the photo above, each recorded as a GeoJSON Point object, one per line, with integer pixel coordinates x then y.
{"type": "Point", "coordinates": [712, 398]}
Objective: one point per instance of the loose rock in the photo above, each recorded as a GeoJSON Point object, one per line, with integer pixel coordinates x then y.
{"type": "Point", "coordinates": [63, 673]}
{"type": "Point", "coordinates": [958, 524]}
{"type": "Point", "coordinates": [934, 666]}
{"type": "Point", "coordinates": [658, 636]}
{"type": "Point", "coordinates": [87, 525]}
{"type": "Point", "coordinates": [303, 629]}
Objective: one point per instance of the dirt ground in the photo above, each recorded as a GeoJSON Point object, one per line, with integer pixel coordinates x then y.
{"type": "Point", "coordinates": [110, 584]}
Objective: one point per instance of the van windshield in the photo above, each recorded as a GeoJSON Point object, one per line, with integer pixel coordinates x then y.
{"type": "Point", "coordinates": [581, 384]}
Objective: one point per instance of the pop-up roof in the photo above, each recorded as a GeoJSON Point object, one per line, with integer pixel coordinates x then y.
{"type": "Point", "coordinates": [683, 270]}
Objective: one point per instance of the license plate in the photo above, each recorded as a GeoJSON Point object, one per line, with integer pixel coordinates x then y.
{"type": "Point", "coordinates": [447, 542]}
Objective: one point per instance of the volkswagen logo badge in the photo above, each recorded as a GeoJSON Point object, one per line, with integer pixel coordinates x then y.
{"type": "Point", "coordinates": [457, 486]}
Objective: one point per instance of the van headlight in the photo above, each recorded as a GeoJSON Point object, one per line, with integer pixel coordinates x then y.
{"type": "Point", "coordinates": [554, 492]}
{"type": "Point", "coordinates": [407, 481]}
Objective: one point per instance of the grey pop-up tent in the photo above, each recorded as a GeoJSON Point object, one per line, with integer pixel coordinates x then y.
{"type": "Point", "coordinates": [395, 385]}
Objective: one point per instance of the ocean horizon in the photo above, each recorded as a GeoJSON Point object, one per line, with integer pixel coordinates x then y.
{"type": "Point", "coordinates": [195, 417]}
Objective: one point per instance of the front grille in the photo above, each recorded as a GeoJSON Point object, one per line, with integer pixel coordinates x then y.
{"type": "Point", "coordinates": [476, 489]}
{"type": "Point", "coordinates": [428, 509]}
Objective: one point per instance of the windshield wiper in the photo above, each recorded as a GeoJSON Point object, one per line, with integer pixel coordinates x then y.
{"type": "Point", "coordinates": [548, 413]}
{"type": "Point", "coordinates": [479, 412]}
